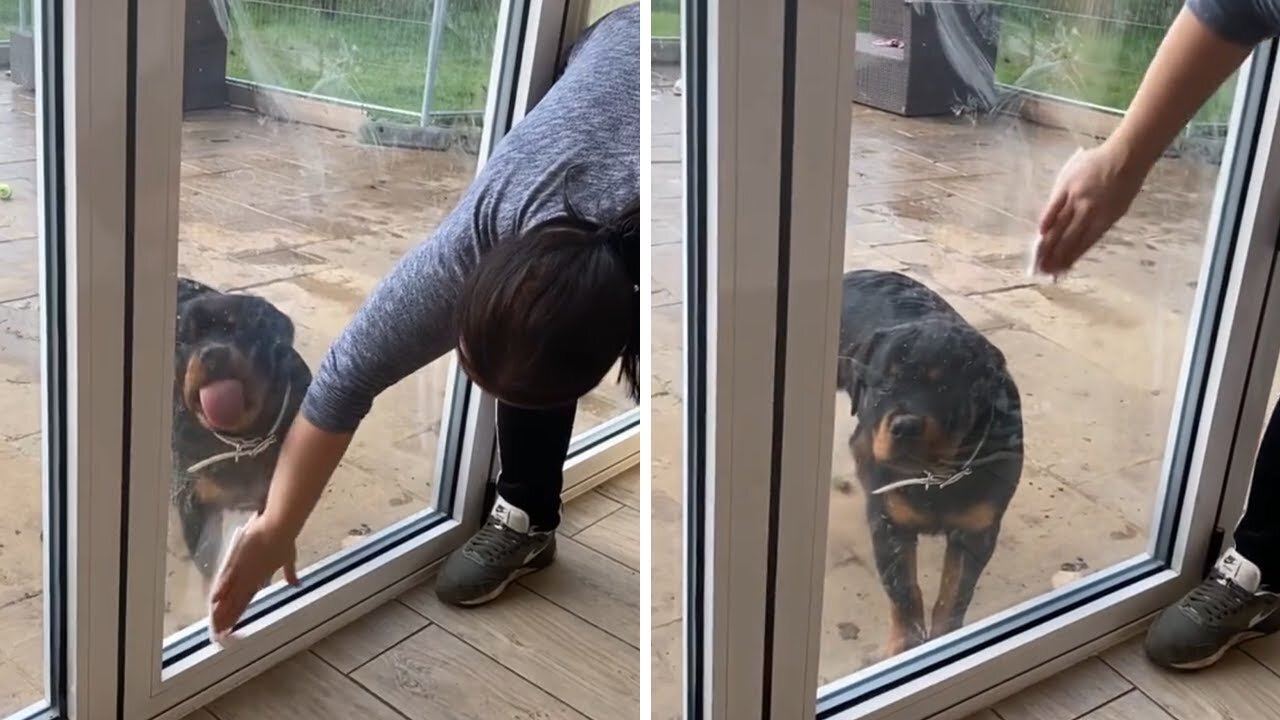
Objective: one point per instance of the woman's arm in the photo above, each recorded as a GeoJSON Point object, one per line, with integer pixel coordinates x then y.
{"type": "Point", "coordinates": [409, 319]}
{"type": "Point", "coordinates": [1192, 62]}
{"type": "Point", "coordinates": [308, 459]}
{"type": "Point", "coordinates": [1206, 43]}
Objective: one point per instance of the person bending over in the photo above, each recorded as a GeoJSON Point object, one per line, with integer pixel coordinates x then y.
{"type": "Point", "coordinates": [534, 279]}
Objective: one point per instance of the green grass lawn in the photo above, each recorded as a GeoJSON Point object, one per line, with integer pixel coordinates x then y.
{"type": "Point", "coordinates": [1090, 60]}
{"type": "Point", "coordinates": [665, 16]}
{"type": "Point", "coordinates": [8, 18]}
{"type": "Point", "coordinates": [1096, 61]}
{"type": "Point", "coordinates": [666, 23]}
{"type": "Point", "coordinates": [375, 61]}
{"type": "Point", "coordinates": [383, 61]}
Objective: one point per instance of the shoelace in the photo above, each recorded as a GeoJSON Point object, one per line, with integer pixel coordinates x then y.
{"type": "Point", "coordinates": [495, 541]}
{"type": "Point", "coordinates": [1217, 596]}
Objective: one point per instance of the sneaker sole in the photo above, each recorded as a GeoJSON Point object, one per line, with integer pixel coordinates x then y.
{"type": "Point", "coordinates": [494, 593]}
{"type": "Point", "coordinates": [1214, 658]}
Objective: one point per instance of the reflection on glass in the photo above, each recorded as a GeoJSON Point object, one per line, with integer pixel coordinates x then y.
{"type": "Point", "coordinates": [667, 358]}
{"type": "Point", "coordinates": [319, 145]}
{"type": "Point", "coordinates": [997, 437]}
{"type": "Point", "coordinates": [21, 532]}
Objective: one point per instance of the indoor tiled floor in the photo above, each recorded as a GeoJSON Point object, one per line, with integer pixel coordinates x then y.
{"type": "Point", "coordinates": [1122, 685]}
{"type": "Point", "coordinates": [562, 644]}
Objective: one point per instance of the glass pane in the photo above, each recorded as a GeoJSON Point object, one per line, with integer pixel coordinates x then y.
{"type": "Point", "coordinates": [306, 173]}
{"type": "Point", "coordinates": [610, 399]}
{"type": "Point", "coordinates": [15, 15]}
{"type": "Point", "coordinates": [667, 358]}
{"type": "Point", "coordinates": [1045, 407]}
{"type": "Point", "coordinates": [22, 652]}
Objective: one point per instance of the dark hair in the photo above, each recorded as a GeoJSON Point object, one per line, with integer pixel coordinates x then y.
{"type": "Point", "coordinates": [544, 316]}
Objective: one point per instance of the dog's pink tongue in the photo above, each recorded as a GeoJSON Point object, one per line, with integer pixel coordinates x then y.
{"type": "Point", "coordinates": [222, 402]}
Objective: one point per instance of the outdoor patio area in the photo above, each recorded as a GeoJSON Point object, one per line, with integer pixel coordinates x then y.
{"type": "Point", "coordinates": [306, 217]}
{"type": "Point", "coordinates": [952, 202]}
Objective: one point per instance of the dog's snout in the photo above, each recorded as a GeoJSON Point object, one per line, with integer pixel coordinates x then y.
{"type": "Point", "coordinates": [906, 426]}
{"type": "Point", "coordinates": [215, 358]}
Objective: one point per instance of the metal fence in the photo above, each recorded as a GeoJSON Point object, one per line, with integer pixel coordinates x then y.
{"type": "Point", "coordinates": [1091, 51]}
{"type": "Point", "coordinates": [1088, 51]}
{"type": "Point", "coordinates": [374, 53]}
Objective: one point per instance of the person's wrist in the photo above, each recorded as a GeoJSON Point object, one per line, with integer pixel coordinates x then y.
{"type": "Point", "coordinates": [279, 524]}
{"type": "Point", "coordinates": [1131, 157]}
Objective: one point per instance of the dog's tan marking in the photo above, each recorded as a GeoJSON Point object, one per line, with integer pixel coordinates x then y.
{"type": "Point", "coordinates": [863, 461]}
{"type": "Point", "coordinates": [978, 518]}
{"type": "Point", "coordinates": [209, 490]}
{"type": "Point", "coordinates": [948, 591]}
{"type": "Point", "coordinates": [906, 624]}
{"type": "Point", "coordinates": [882, 441]}
{"type": "Point", "coordinates": [897, 640]}
{"type": "Point", "coordinates": [903, 514]}
{"type": "Point", "coordinates": [937, 445]}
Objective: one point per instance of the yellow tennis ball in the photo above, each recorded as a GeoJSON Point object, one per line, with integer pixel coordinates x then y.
{"type": "Point", "coordinates": [6, 192]}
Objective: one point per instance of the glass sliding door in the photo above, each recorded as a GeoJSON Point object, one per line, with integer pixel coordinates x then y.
{"type": "Point", "coordinates": [954, 473]}
{"type": "Point", "coordinates": [278, 174]}
{"type": "Point", "coordinates": [33, 364]}
{"type": "Point", "coordinates": [23, 583]}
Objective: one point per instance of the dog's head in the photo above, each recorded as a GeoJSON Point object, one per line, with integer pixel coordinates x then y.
{"type": "Point", "coordinates": [922, 388]}
{"type": "Point", "coordinates": [231, 355]}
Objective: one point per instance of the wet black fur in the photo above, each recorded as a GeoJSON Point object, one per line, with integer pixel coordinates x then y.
{"type": "Point", "coordinates": [893, 331]}
{"type": "Point", "coordinates": [264, 334]}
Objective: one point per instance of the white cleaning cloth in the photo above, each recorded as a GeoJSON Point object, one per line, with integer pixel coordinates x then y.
{"type": "Point", "coordinates": [224, 640]}
{"type": "Point", "coordinates": [1033, 252]}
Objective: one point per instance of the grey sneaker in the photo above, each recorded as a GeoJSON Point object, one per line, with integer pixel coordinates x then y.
{"type": "Point", "coordinates": [1226, 609]}
{"type": "Point", "coordinates": [504, 549]}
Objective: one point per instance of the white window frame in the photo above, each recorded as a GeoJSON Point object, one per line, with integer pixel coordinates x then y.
{"type": "Point", "coordinates": [114, 649]}
{"type": "Point", "coordinates": [765, 232]}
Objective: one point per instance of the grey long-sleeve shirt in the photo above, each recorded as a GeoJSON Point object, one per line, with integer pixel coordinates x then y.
{"type": "Point", "coordinates": [1247, 22]}
{"type": "Point", "coordinates": [590, 119]}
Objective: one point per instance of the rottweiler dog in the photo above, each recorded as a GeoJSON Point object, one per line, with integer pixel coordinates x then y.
{"type": "Point", "coordinates": [238, 383]}
{"type": "Point", "coordinates": [938, 445]}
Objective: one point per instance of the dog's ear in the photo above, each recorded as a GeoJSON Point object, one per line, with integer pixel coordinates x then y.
{"type": "Point", "coordinates": [847, 379]}
{"type": "Point", "coordinates": [189, 289]}
{"type": "Point", "coordinates": [274, 323]}
{"type": "Point", "coordinates": [995, 392]}
{"type": "Point", "coordinates": [991, 390]}
{"type": "Point", "coordinates": [853, 369]}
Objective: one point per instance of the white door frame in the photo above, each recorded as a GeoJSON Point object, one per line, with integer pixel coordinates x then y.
{"type": "Point", "coordinates": [767, 128]}
{"type": "Point", "coordinates": [121, 95]}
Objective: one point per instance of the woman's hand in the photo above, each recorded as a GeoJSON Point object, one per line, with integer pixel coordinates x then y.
{"type": "Point", "coordinates": [267, 543]}
{"type": "Point", "coordinates": [263, 548]}
{"type": "Point", "coordinates": [1094, 190]}
{"type": "Point", "coordinates": [1096, 187]}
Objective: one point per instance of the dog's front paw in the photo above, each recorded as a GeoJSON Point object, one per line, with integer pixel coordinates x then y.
{"type": "Point", "coordinates": [903, 637]}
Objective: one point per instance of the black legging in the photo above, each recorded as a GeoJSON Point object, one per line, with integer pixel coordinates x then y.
{"type": "Point", "coordinates": [533, 445]}
{"type": "Point", "coordinates": [1258, 535]}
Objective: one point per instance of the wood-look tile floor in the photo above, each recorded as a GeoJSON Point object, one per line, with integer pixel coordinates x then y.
{"type": "Point", "coordinates": [1121, 684]}
{"type": "Point", "coordinates": [562, 644]}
